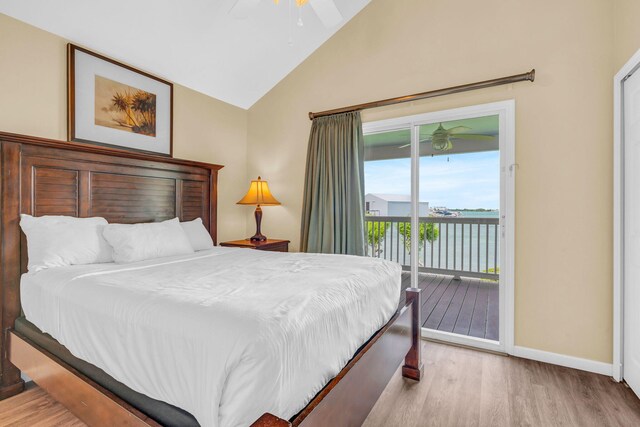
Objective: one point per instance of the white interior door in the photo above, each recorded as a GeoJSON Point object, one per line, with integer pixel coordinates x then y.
{"type": "Point", "coordinates": [631, 274]}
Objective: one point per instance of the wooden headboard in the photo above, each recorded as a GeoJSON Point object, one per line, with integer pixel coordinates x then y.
{"type": "Point", "coordinates": [47, 177]}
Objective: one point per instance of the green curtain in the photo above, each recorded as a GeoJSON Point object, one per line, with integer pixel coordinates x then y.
{"type": "Point", "coordinates": [333, 206]}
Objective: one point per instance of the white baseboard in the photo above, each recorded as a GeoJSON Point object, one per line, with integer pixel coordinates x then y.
{"type": "Point", "coordinates": [563, 360]}
{"type": "Point", "coordinates": [25, 378]}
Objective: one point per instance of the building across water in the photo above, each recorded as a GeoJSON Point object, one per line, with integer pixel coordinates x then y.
{"type": "Point", "coordinates": [392, 205]}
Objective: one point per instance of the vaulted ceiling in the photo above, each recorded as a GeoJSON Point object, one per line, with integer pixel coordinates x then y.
{"type": "Point", "coordinates": [195, 43]}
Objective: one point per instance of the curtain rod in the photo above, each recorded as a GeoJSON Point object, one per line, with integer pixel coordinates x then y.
{"type": "Point", "coordinates": [529, 76]}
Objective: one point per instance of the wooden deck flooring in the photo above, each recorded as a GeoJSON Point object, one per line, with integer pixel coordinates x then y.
{"type": "Point", "coordinates": [466, 306]}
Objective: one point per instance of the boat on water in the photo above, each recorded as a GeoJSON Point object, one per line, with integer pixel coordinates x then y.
{"type": "Point", "coordinates": [443, 212]}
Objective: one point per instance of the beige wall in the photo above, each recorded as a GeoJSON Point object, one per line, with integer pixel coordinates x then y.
{"type": "Point", "coordinates": [212, 131]}
{"type": "Point", "coordinates": [33, 102]}
{"type": "Point", "coordinates": [563, 204]}
{"type": "Point", "coordinates": [626, 30]}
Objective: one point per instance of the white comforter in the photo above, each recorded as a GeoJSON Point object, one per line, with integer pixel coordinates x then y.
{"type": "Point", "coordinates": [226, 334]}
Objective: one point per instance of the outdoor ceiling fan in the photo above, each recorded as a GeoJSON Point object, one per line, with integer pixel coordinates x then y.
{"type": "Point", "coordinates": [326, 10]}
{"type": "Point", "coordinates": [441, 137]}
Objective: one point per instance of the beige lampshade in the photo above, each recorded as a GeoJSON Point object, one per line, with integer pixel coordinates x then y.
{"type": "Point", "coordinates": [259, 194]}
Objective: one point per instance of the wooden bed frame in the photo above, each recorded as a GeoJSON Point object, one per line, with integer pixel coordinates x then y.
{"type": "Point", "coordinates": [48, 177]}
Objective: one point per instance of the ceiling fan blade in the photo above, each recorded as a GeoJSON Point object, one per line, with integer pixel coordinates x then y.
{"type": "Point", "coordinates": [421, 141]}
{"type": "Point", "coordinates": [457, 129]}
{"type": "Point", "coordinates": [327, 11]}
{"type": "Point", "coordinates": [473, 136]}
{"type": "Point", "coordinates": [243, 8]}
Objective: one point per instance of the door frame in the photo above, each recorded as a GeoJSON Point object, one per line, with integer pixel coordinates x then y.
{"type": "Point", "coordinates": [618, 213]}
{"type": "Point", "coordinates": [508, 167]}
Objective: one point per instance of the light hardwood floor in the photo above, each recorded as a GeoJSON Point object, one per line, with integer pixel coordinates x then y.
{"type": "Point", "coordinates": [461, 387]}
{"type": "Point", "coordinates": [34, 408]}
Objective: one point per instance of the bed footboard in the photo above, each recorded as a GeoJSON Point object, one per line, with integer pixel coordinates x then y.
{"type": "Point", "coordinates": [350, 396]}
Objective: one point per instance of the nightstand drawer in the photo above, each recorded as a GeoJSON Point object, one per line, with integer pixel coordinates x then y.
{"type": "Point", "coordinates": [273, 245]}
{"type": "Point", "coordinates": [282, 247]}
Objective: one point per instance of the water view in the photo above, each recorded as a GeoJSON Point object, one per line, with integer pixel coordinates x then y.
{"type": "Point", "coordinates": [458, 209]}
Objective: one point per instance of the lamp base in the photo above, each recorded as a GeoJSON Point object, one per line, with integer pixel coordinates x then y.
{"type": "Point", "coordinates": [258, 238]}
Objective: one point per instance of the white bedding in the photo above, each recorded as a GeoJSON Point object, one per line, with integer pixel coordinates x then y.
{"type": "Point", "coordinates": [226, 334]}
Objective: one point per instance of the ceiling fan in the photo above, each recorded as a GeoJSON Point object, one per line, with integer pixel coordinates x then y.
{"type": "Point", "coordinates": [441, 137]}
{"type": "Point", "coordinates": [326, 10]}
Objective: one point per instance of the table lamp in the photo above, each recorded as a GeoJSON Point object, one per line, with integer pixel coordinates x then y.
{"type": "Point", "coordinates": [258, 195]}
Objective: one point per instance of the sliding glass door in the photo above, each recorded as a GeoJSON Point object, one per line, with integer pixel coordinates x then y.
{"type": "Point", "coordinates": [437, 202]}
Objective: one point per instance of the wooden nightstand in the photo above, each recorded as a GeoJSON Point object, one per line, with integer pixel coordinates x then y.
{"type": "Point", "coordinates": [268, 245]}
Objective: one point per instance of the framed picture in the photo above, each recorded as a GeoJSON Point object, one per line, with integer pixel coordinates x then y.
{"type": "Point", "coordinates": [113, 104]}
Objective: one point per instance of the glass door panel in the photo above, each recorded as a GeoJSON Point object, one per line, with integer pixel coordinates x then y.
{"type": "Point", "coordinates": [458, 247]}
{"type": "Point", "coordinates": [387, 170]}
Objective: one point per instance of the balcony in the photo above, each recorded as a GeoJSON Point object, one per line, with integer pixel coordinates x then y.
{"type": "Point", "coordinates": [458, 269]}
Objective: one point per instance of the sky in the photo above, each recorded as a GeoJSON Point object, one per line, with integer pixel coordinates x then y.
{"type": "Point", "coordinates": [470, 180]}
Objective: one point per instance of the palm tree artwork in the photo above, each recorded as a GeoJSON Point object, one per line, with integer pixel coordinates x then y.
{"type": "Point", "coordinates": [124, 107]}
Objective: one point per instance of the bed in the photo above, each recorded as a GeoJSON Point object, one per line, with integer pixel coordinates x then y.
{"type": "Point", "coordinates": [285, 351]}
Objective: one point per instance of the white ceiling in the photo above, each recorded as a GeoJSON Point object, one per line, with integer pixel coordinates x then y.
{"type": "Point", "coordinates": [195, 43]}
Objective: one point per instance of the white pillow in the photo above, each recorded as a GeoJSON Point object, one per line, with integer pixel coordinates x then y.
{"type": "Point", "coordinates": [198, 235]}
{"type": "Point", "coordinates": [58, 241]}
{"type": "Point", "coordinates": [138, 242]}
